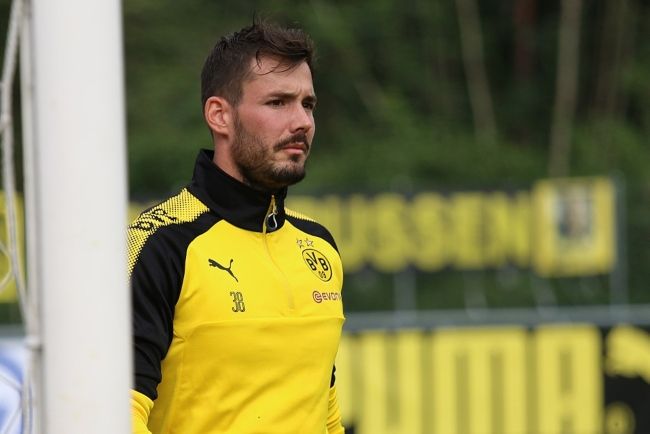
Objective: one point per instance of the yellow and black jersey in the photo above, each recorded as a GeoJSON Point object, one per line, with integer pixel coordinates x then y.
{"type": "Point", "coordinates": [237, 313]}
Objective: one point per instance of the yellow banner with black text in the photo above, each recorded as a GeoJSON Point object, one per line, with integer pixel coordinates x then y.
{"type": "Point", "coordinates": [563, 227]}
{"type": "Point", "coordinates": [558, 228]}
{"type": "Point", "coordinates": [553, 379]}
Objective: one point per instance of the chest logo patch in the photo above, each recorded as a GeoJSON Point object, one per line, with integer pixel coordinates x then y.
{"type": "Point", "coordinates": [318, 264]}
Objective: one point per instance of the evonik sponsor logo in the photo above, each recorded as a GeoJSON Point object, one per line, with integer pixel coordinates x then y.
{"type": "Point", "coordinates": [320, 297]}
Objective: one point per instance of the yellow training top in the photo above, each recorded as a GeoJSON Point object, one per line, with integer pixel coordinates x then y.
{"type": "Point", "coordinates": [237, 313]}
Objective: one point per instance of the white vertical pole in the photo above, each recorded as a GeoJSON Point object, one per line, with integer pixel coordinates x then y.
{"type": "Point", "coordinates": [32, 384]}
{"type": "Point", "coordinates": [81, 216]}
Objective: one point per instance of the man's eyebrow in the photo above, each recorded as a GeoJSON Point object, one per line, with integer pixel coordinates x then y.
{"type": "Point", "coordinates": [311, 99]}
{"type": "Point", "coordinates": [284, 95]}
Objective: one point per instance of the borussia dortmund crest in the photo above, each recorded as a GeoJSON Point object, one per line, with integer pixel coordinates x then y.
{"type": "Point", "coordinates": [318, 264]}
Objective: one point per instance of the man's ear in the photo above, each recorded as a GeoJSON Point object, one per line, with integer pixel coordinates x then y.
{"type": "Point", "coordinates": [218, 115]}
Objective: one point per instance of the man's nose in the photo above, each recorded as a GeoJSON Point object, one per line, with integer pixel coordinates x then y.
{"type": "Point", "coordinates": [302, 119]}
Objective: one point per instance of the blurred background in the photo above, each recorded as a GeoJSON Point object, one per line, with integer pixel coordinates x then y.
{"type": "Point", "coordinates": [442, 96]}
{"type": "Point", "coordinates": [485, 169]}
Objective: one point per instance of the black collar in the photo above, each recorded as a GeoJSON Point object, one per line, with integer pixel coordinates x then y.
{"type": "Point", "coordinates": [232, 200]}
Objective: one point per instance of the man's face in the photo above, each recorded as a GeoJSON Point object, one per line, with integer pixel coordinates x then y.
{"type": "Point", "coordinates": [274, 125]}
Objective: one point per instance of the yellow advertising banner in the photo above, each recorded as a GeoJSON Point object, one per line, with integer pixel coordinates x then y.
{"type": "Point", "coordinates": [431, 230]}
{"type": "Point", "coordinates": [561, 227]}
{"type": "Point", "coordinates": [553, 379]}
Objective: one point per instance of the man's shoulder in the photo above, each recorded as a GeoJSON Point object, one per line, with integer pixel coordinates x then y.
{"type": "Point", "coordinates": [309, 225]}
{"type": "Point", "coordinates": [180, 208]}
{"type": "Point", "coordinates": [170, 225]}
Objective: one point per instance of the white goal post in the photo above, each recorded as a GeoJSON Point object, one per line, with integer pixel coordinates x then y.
{"type": "Point", "coordinates": [77, 218]}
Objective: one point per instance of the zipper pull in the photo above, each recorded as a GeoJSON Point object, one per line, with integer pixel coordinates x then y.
{"type": "Point", "coordinates": [271, 222]}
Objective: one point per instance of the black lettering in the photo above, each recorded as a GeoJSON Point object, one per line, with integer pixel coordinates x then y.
{"type": "Point", "coordinates": [142, 225]}
{"type": "Point", "coordinates": [156, 218]}
{"type": "Point", "coordinates": [323, 264]}
{"type": "Point", "coordinates": [311, 264]}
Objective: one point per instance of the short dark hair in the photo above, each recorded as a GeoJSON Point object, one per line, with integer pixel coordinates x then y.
{"type": "Point", "coordinates": [228, 64]}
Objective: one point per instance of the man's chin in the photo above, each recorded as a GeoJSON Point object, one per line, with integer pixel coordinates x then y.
{"type": "Point", "coordinates": [289, 175]}
{"type": "Point", "coordinates": [286, 180]}
{"type": "Point", "coordinates": [276, 180]}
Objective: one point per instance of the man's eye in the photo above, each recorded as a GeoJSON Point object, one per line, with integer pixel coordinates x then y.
{"type": "Point", "coordinates": [309, 105]}
{"type": "Point", "coordinates": [276, 103]}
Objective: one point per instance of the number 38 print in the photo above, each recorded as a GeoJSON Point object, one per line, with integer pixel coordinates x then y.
{"type": "Point", "coordinates": [238, 301]}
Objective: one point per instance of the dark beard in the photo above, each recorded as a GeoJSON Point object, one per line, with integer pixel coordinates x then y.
{"type": "Point", "coordinates": [255, 163]}
{"type": "Point", "coordinates": [264, 177]}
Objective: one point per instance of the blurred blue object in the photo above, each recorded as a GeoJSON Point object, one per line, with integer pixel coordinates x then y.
{"type": "Point", "coordinates": [12, 363]}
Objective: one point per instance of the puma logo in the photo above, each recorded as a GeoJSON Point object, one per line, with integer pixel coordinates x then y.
{"type": "Point", "coordinates": [227, 269]}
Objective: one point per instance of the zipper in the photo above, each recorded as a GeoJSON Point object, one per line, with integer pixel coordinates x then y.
{"type": "Point", "coordinates": [271, 223]}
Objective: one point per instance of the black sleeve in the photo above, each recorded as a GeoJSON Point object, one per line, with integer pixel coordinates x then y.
{"type": "Point", "coordinates": [156, 281]}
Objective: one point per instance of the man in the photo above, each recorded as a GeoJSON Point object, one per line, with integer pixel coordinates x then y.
{"type": "Point", "coordinates": [236, 300]}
